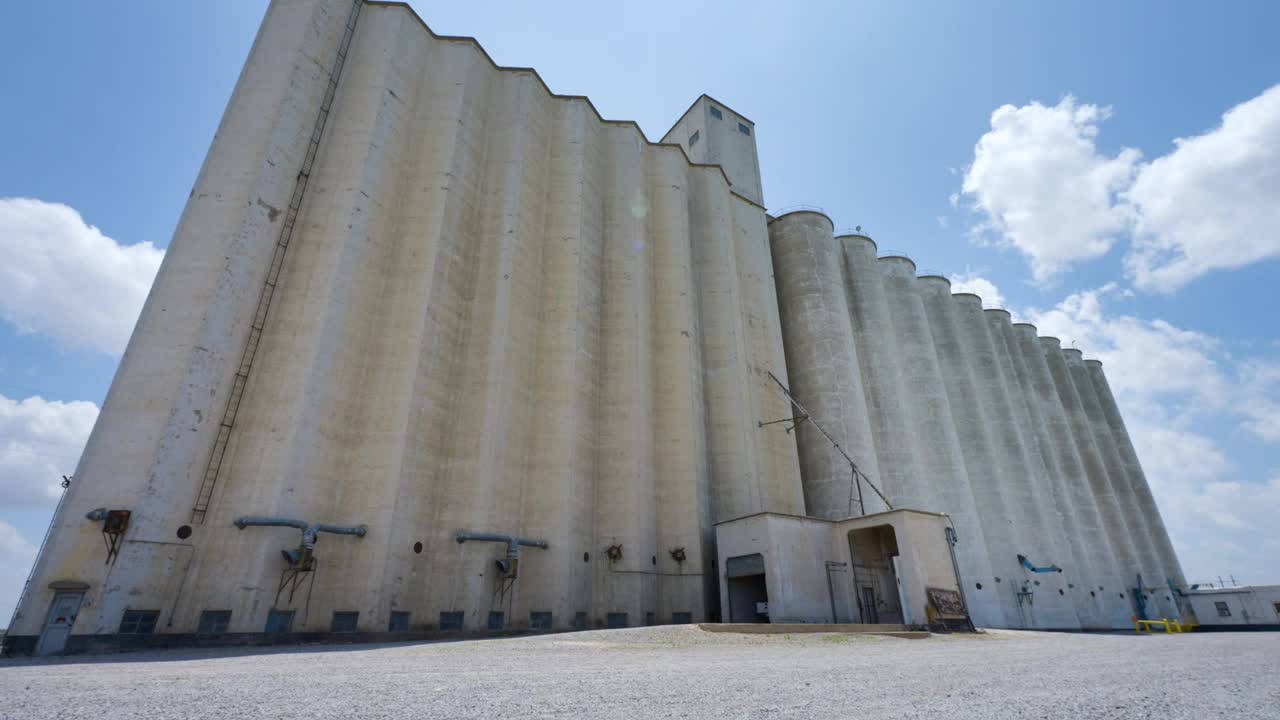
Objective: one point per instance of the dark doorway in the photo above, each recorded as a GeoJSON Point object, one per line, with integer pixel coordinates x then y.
{"type": "Point", "coordinates": [748, 591]}
{"type": "Point", "coordinates": [870, 611]}
{"type": "Point", "coordinates": [872, 551]}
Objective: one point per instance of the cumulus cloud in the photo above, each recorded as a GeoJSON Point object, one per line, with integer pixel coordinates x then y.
{"type": "Point", "coordinates": [969, 282]}
{"type": "Point", "coordinates": [16, 558]}
{"type": "Point", "coordinates": [1213, 203]}
{"type": "Point", "coordinates": [64, 279]}
{"type": "Point", "coordinates": [1044, 188]}
{"type": "Point", "coordinates": [40, 441]}
{"type": "Point", "coordinates": [1175, 386]}
{"type": "Point", "coordinates": [1261, 382]}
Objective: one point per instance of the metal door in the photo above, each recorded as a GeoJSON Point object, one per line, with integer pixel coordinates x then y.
{"type": "Point", "coordinates": [57, 627]}
{"type": "Point", "coordinates": [871, 613]}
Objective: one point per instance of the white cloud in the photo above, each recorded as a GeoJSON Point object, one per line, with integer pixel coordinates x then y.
{"type": "Point", "coordinates": [1213, 203]}
{"type": "Point", "coordinates": [16, 558]}
{"type": "Point", "coordinates": [40, 441]}
{"type": "Point", "coordinates": [1261, 382]}
{"type": "Point", "coordinates": [942, 222]}
{"type": "Point", "coordinates": [1044, 188]}
{"type": "Point", "coordinates": [1175, 387]}
{"type": "Point", "coordinates": [66, 280]}
{"type": "Point", "coordinates": [969, 282]}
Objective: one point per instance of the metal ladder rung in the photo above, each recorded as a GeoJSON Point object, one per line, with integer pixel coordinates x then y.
{"type": "Point", "coordinates": [205, 494]}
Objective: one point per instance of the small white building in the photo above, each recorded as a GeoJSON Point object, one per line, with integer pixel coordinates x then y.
{"type": "Point", "coordinates": [890, 567]}
{"type": "Point", "coordinates": [1247, 607]}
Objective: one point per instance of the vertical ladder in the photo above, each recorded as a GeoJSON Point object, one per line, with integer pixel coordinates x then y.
{"type": "Point", "coordinates": [205, 496]}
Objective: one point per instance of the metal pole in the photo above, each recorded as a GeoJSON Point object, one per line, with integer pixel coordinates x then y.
{"type": "Point", "coordinates": [856, 472]}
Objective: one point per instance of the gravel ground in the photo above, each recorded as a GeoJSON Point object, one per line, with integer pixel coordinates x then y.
{"type": "Point", "coordinates": [676, 671]}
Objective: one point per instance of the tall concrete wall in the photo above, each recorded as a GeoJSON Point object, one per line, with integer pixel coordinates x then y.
{"type": "Point", "coordinates": [419, 292]}
{"type": "Point", "coordinates": [1169, 565]}
{"type": "Point", "coordinates": [941, 461]}
{"type": "Point", "coordinates": [1116, 527]}
{"type": "Point", "coordinates": [1097, 567]}
{"type": "Point", "coordinates": [880, 360]}
{"type": "Point", "coordinates": [1121, 485]}
{"type": "Point", "coordinates": [823, 363]}
{"type": "Point", "coordinates": [498, 313]}
{"type": "Point", "coordinates": [1046, 516]}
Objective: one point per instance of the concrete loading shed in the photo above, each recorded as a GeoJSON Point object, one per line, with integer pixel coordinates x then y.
{"type": "Point", "coordinates": [419, 293]}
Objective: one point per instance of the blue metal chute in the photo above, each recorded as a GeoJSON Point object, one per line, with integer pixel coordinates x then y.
{"type": "Point", "coordinates": [1027, 564]}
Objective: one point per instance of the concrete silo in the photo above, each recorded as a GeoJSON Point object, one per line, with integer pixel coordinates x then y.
{"type": "Point", "coordinates": [1169, 565]}
{"type": "Point", "coordinates": [822, 361]}
{"type": "Point", "coordinates": [1070, 484]}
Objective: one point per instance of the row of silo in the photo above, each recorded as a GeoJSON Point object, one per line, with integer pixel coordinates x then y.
{"type": "Point", "coordinates": [499, 314]}
{"type": "Point", "coordinates": [955, 409]}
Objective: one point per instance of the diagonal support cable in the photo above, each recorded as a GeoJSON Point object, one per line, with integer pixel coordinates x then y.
{"type": "Point", "coordinates": [858, 475]}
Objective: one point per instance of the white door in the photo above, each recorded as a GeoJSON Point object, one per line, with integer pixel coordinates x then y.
{"type": "Point", "coordinates": [62, 615]}
{"type": "Point", "coordinates": [902, 591]}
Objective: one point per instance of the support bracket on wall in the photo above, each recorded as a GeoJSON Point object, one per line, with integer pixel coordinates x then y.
{"type": "Point", "coordinates": [1027, 564]}
{"type": "Point", "coordinates": [114, 525]}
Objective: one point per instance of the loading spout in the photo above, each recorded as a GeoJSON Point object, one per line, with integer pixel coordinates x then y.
{"type": "Point", "coordinates": [511, 542]}
{"type": "Point", "coordinates": [309, 530]}
{"type": "Point", "coordinates": [1027, 564]}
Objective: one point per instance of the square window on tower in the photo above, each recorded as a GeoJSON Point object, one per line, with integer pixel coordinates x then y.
{"type": "Point", "coordinates": [693, 139]}
{"type": "Point", "coordinates": [744, 129]}
{"type": "Point", "coordinates": [715, 113]}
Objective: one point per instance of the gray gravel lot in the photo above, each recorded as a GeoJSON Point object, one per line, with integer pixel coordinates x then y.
{"type": "Point", "coordinates": [676, 671]}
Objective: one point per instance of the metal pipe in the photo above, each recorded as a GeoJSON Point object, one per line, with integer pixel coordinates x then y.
{"type": "Point", "coordinates": [512, 542]}
{"type": "Point", "coordinates": [309, 530]}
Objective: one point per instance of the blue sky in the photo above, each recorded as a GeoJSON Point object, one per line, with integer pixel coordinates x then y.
{"type": "Point", "coordinates": [1025, 149]}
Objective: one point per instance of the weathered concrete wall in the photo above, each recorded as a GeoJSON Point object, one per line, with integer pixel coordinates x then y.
{"type": "Point", "coordinates": [1097, 568]}
{"type": "Point", "coordinates": [896, 442]}
{"type": "Point", "coordinates": [942, 462]}
{"type": "Point", "coordinates": [1170, 568]}
{"type": "Point", "coordinates": [823, 363]}
{"type": "Point", "coordinates": [497, 313]}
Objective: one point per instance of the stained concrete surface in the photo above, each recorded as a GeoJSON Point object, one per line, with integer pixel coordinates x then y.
{"type": "Point", "coordinates": [676, 671]}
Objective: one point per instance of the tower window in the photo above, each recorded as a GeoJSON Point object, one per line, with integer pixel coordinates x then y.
{"type": "Point", "coordinates": [1223, 610]}
{"type": "Point", "coordinates": [715, 113]}
{"type": "Point", "coordinates": [451, 620]}
{"type": "Point", "coordinates": [139, 622]}
{"type": "Point", "coordinates": [540, 620]}
{"type": "Point", "coordinates": [744, 129]}
{"type": "Point", "coordinates": [693, 139]}
{"type": "Point", "coordinates": [496, 620]}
